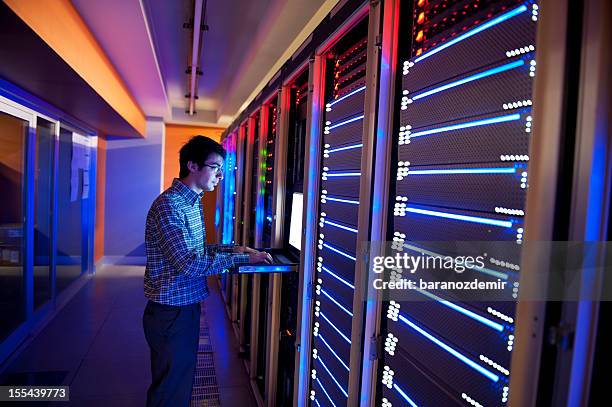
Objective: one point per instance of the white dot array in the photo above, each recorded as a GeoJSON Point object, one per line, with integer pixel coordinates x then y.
{"type": "Point", "coordinates": [495, 365]}
{"type": "Point", "coordinates": [514, 157]}
{"type": "Point", "coordinates": [312, 394]}
{"type": "Point", "coordinates": [402, 169]}
{"type": "Point", "coordinates": [386, 403]}
{"type": "Point", "coordinates": [387, 378]}
{"type": "Point", "coordinates": [517, 104]}
{"type": "Point", "coordinates": [404, 135]}
{"type": "Point", "coordinates": [505, 394]}
{"type": "Point", "coordinates": [390, 344]}
{"type": "Point", "coordinates": [508, 211]}
{"type": "Point", "coordinates": [470, 400]}
{"type": "Point", "coordinates": [393, 311]}
{"type": "Point", "coordinates": [505, 264]}
{"type": "Point", "coordinates": [500, 315]}
{"type": "Point", "coordinates": [519, 51]}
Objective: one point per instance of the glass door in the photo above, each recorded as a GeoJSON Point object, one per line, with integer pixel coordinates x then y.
{"type": "Point", "coordinates": [14, 131]}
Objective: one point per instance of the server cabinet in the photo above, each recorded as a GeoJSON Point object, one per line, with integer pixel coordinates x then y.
{"type": "Point", "coordinates": [337, 211]}
{"type": "Point", "coordinates": [460, 131]}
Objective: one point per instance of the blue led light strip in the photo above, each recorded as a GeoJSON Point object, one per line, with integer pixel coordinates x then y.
{"type": "Point", "coordinates": [335, 150]}
{"type": "Point", "coordinates": [491, 376]}
{"type": "Point", "coordinates": [349, 201]}
{"type": "Point", "coordinates": [334, 326]}
{"type": "Point", "coordinates": [480, 28]}
{"type": "Point", "coordinates": [504, 170]}
{"type": "Point", "coordinates": [332, 376]}
{"type": "Point", "coordinates": [317, 401]}
{"type": "Point", "coordinates": [484, 74]}
{"type": "Point", "coordinates": [337, 277]}
{"type": "Point", "coordinates": [342, 123]}
{"type": "Point", "coordinates": [404, 395]}
{"type": "Point", "coordinates": [346, 96]}
{"type": "Point", "coordinates": [465, 125]}
{"type": "Point", "coordinates": [332, 351]}
{"type": "Point", "coordinates": [325, 391]}
{"type": "Point", "coordinates": [340, 252]}
{"type": "Point", "coordinates": [466, 312]}
{"type": "Point", "coordinates": [483, 270]}
{"type": "Point", "coordinates": [463, 218]}
{"type": "Point", "coordinates": [327, 222]}
{"type": "Point", "coordinates": [343, 174]}
{"type": "Point", "coordinates": [325, 293]}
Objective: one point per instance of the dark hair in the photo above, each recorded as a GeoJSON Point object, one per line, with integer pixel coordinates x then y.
{"type": "Point", "coordinates": [197, 150]}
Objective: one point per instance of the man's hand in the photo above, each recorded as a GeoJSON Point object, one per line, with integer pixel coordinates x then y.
{"type": "Point", "coordinates": [244, 249]}
{"type": "Point", "coordinates": [259, 257]}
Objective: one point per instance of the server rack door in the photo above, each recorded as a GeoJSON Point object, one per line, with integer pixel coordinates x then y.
{"type": "Point", "coordinates": [342, 213]}
{"type": "Point", "coordinates": [461, 145]}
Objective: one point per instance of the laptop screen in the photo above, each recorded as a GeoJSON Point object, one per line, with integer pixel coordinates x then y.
{"type": "Point", "coordinates": [295, 227]}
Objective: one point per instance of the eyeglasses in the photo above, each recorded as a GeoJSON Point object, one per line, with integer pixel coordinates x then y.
{"type": "Point", "coordinates": [216, 168]}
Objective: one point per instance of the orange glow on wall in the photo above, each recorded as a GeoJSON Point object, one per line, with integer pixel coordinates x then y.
{"type": "Point", "coordinates": [100, 196]}
{"type": "Point", "coordinates": [58, 24]}
{"type": "Point", "coordinates": [176, 136]}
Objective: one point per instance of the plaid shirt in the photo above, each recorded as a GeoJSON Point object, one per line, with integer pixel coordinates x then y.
{"type": "Point", "coordinates": [178, 259]}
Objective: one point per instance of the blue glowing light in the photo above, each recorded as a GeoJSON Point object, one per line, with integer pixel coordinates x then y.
{"type": "Point", "coordinates": [335, 150]}
{"type": "Point", "coordinates": [343, 174]}
{"type": "Point", "coordinates": [335, 328]}
{"type": "Point", "coordinates": [332, 299]}
{"type": "Point", "coordinates": [466, 312]}
{"type": "Point", "coordinates": [480, 28]}
{"type": "Point", "coordinates": [463, 218]}
{"type": "Point", "coordinates": [332, 376]}
{"type": "Point", "coordinates": [346, 96]}
{"type": "Point", "coordinates": [332, 351]}
{"type": "Point", "coordinates": [337, 277]}
{"type": "Point", "coordinates": [269, 218]}
{"type": "Point", "coordinates": [325, 391]}
{"type": "Point", "coordinates": [483, 270]}
{"type": "Point", "coordinates": [317, 401]}
{"type": "Point", "coordinates": [404, 395]}
{"type": "Point", "coordinates": [491, 376]}
{"type": "Point", "coordinates": [328, 222]}
{"type": "Point", "coordinates": [503, 170]}
{"type": "Point", "coordinates": [342, 123]}
{"type": "Point", "coordinates": [484, 74]}
{"type": "Point", "coordinates": [349, 201]}
{"type": "Point", "coordinates": [340, 252]}
{"type": "Point", "coordinates": [475, 123]}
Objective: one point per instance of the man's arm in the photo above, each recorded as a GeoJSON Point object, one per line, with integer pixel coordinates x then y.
{"type": "Point", "coordinates": [173, 241]}
{"type": "Point", "coordinates": [224, 248]}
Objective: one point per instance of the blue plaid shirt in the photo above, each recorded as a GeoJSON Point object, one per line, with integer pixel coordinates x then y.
{"type": "Point", "coordinates": [178, 258]}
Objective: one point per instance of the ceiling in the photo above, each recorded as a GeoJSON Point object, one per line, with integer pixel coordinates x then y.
{"type": "Point", "coordinates": [146, 42]}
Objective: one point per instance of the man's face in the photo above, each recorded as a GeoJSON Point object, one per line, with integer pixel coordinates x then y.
{"type": "Point", "coordinates": [210, 174]}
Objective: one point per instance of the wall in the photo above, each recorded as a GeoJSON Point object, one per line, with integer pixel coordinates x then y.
{"type": "Point", "coordinates": [133, 174]}
{"type": "Point", "coordinates": [176, 136]}
{"type": "Point", "coordinates": [100, 197]}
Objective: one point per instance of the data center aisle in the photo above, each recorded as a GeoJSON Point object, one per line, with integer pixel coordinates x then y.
{"type": "Point", "coordinates": [96, 346]}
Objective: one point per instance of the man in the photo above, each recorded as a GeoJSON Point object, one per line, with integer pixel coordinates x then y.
{"type": "Point", "coordinates": [178, 262]}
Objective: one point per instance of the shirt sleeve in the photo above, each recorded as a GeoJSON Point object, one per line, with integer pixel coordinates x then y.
{"type": "Point", "coordinates": [173, 241]}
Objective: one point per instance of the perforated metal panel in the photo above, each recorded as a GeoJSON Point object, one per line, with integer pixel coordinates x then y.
{"type": "Point", "coordinates": [462, 153]}
{"type": "Point", "coordinates": [338, 213]}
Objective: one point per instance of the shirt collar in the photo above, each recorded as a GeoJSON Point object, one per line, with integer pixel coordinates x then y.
{"type": "Point", "coordinates": [190, 196]}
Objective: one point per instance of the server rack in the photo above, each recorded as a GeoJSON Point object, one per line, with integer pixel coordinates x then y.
{"type": "Point", "coordinates": [282, 300]}
{"type": "Point", "coordinates": [226, 204]}
{"type": "Point", "coordinates": [447, 351]}
{"type": "Point", "coordinates": [337, 210]}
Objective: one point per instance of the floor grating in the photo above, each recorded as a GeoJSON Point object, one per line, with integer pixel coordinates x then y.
{"type": "Point", "coordinates": [205, 391]}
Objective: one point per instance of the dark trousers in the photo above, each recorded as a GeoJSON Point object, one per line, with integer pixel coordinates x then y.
{"type": "Point", "coordinates": [172, 333]}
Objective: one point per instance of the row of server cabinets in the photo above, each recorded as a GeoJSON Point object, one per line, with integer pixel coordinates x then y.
{"type": "Point", "coordinates": [417, 123]}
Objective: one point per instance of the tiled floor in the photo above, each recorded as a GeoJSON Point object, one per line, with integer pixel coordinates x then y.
{"type": "Point", "coordinates": [98, 342]}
